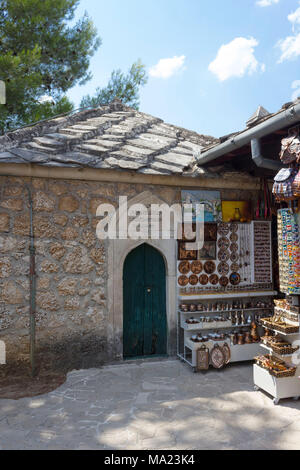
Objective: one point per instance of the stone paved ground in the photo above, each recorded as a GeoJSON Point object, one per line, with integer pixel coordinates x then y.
{"type": "Point", "coordinates": [151, 405]}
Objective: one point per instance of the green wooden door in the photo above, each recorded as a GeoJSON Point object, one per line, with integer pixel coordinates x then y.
{"type": "Point", "coordinates": [144, 304]}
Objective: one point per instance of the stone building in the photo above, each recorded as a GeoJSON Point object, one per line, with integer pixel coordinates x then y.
{"type": "Point", "coordinates": [70, 165]}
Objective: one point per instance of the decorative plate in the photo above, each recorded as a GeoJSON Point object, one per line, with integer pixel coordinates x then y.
{"type": "Point", "coordinates": [193, 280]}
{"type": "Point", "coordinates": [234, 247]}
{"type": "Point", "coordinates": [214, 279]}
{"type": "Point", "coordinates": [224, 281]}
{"type": "Point", "coordinates": [183, 281]}
{"type": "Point", "coordinates": [234, 227]}
{"type": "Point", "coordinates": [235, 279]}
{"type": "Point", "coordinates": [203, 279]}
{"type": "Point", "coordinates": [223, 268]}
{"type": "Point", "coordinates": [209, 267]}
{"type": "Point", "coordinates": [196, 267]}
{"type": "Point", "coordinates": [226, 352]}
{"type": "Point", "coordinates": [223, 243]}
{"type": "Point", "coordinates": [184, 267]}
{"type": "Point", "coordinates": [234, 267]}
{"type": "Point", "coordinates": [217, 357]}
{"type": "Point", "coordinates": [223, 256]}
{"type": "Point", "coordinates": [234, 237]}
{"type": "Point", "coordinates": [234, 257]}
{"type": "Point", "coordinates": [223, 228]}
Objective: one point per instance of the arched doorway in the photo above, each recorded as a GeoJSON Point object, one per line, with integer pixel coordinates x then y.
{"type": "Point", "coordinates": [144, 303]}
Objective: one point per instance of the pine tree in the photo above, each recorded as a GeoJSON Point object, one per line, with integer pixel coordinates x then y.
{"type": "Point", "coordinates": [124, 87]}
{"type": "Point", "coordinates": [41, 53]}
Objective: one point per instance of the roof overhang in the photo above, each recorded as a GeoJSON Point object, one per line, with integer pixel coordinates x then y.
{"type": "Point", "coordinates": [284, 118]}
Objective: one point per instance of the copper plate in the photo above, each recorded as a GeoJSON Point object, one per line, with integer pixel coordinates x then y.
{"type": "Point", "coordinates": [203, 279]}
{"type": "Point", "coordinates": [234, 227]}
{"type": "Point", "coordinates": [214, 279]}
{"type": "Point", "coordinates": [223, 255]}
{"type": "Point", "coordinates": [223, 228]}
{"type": "Point", "coordinates": [184, 267]}
{"type": "Point", "coordinates": [217, 357]}
{"type": "Point", "coordinates": [183, 281]}
{"type": "Point", "coordinates": [196, 267]}
{"type": "Point", "coordinates": [223, 268]}
{"type": "Point", "coordinates": [193, 280]}
{"type": "Point", "coordinates": [223, 243]}
{"type": "Point", "coordinates": [235, 279]}
{"type": "Point", "coordinates": [226, 352]}
{"type": "Point", "coordinates": [209, 267]}
{"type": "Point", "coordinates": [234, 237]}
{"type": "Point", "coordinates": [234, 247]}
{"type": "Point", "coordinates": [224, 281]}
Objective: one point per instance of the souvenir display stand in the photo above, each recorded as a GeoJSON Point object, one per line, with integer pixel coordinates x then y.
{"type": "Point", "coordinates": [222, 298]}
{"type": "Point", "coordinates": [278, 372]}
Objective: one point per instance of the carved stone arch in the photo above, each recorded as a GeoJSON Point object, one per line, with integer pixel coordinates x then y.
{"type": "Point", "coordinates": [116, 255]}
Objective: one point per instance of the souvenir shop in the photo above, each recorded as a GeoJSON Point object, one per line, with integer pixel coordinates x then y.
{"type": "Point", "coordinates": [238, 296]}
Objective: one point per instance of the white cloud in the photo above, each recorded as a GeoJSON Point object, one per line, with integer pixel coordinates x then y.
{"type": "Point", "coordinates": [294, 17]}
{"type": "Point", "coordinates": [296, 87]}
{"type": "Point", "coordinates": [290, 47]}
{"type": "Point", "coordinates": [46, 99]}
{"type": "Point", "coordinates": [266, 3]}
{"type": "Point", "coordinates": [236, 59]}
{"type": "Point", "coordinates": [165, 68]}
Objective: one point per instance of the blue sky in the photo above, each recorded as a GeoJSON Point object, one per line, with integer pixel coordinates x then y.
{"type": "Point", "coordinates": [202, 86]}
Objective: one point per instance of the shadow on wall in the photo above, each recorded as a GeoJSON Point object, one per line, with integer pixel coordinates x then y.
{"type": "Point", "coordinates": [76, 351]}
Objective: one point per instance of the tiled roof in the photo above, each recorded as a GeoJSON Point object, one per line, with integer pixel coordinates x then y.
{"type": "Point", "coordinates": [108, 137]}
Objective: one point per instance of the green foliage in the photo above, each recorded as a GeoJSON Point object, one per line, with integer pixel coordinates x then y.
{"type": "Point", "coordinates": [124, 87]}
{"type": "Point", "coordinates": [41, 53]}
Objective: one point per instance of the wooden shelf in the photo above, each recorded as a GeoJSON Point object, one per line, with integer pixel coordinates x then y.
{"type": "Point", "coordinates": [280, 332]}
{"type": "Point", "coordinates": [232, 310]}
{"type": "Point", "coordinates": [228, 295]}
{"type": "Point", "coordinates": [268, 348]}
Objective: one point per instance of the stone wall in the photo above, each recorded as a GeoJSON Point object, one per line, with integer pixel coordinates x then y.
{"type": "Point", "coordinates": [71, 266]}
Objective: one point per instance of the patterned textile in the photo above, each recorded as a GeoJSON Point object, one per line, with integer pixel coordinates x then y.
{"type": "Point", "coordinates": [289, 252]}
{"type": "Point", "coordinates": [283, 184]}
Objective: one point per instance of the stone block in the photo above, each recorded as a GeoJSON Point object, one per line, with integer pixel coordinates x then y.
{"type": "Point", "coordinates": [5, 267]}
{"type": "Point", "coordinates": [57, 250]}
{"type": "Point", "coordinates": [67, 286]}
{"type": "Point", "coordinates": [42, 202]}
{"type": "Point", "coordinates": [4, 222]}
{"type": "Point", "coordinates": [12, 204]}
{"type": "Point", "coordinates": [11, 294]}
{"type": "Point", "coordinates": [68, 204]}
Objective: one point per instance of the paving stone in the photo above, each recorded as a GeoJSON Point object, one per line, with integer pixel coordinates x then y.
{"type": "Point", "coordinates": [151, 405]}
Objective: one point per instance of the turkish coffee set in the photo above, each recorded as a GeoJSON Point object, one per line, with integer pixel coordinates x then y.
{"type": "Point", "coordinates": [236, 314]}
